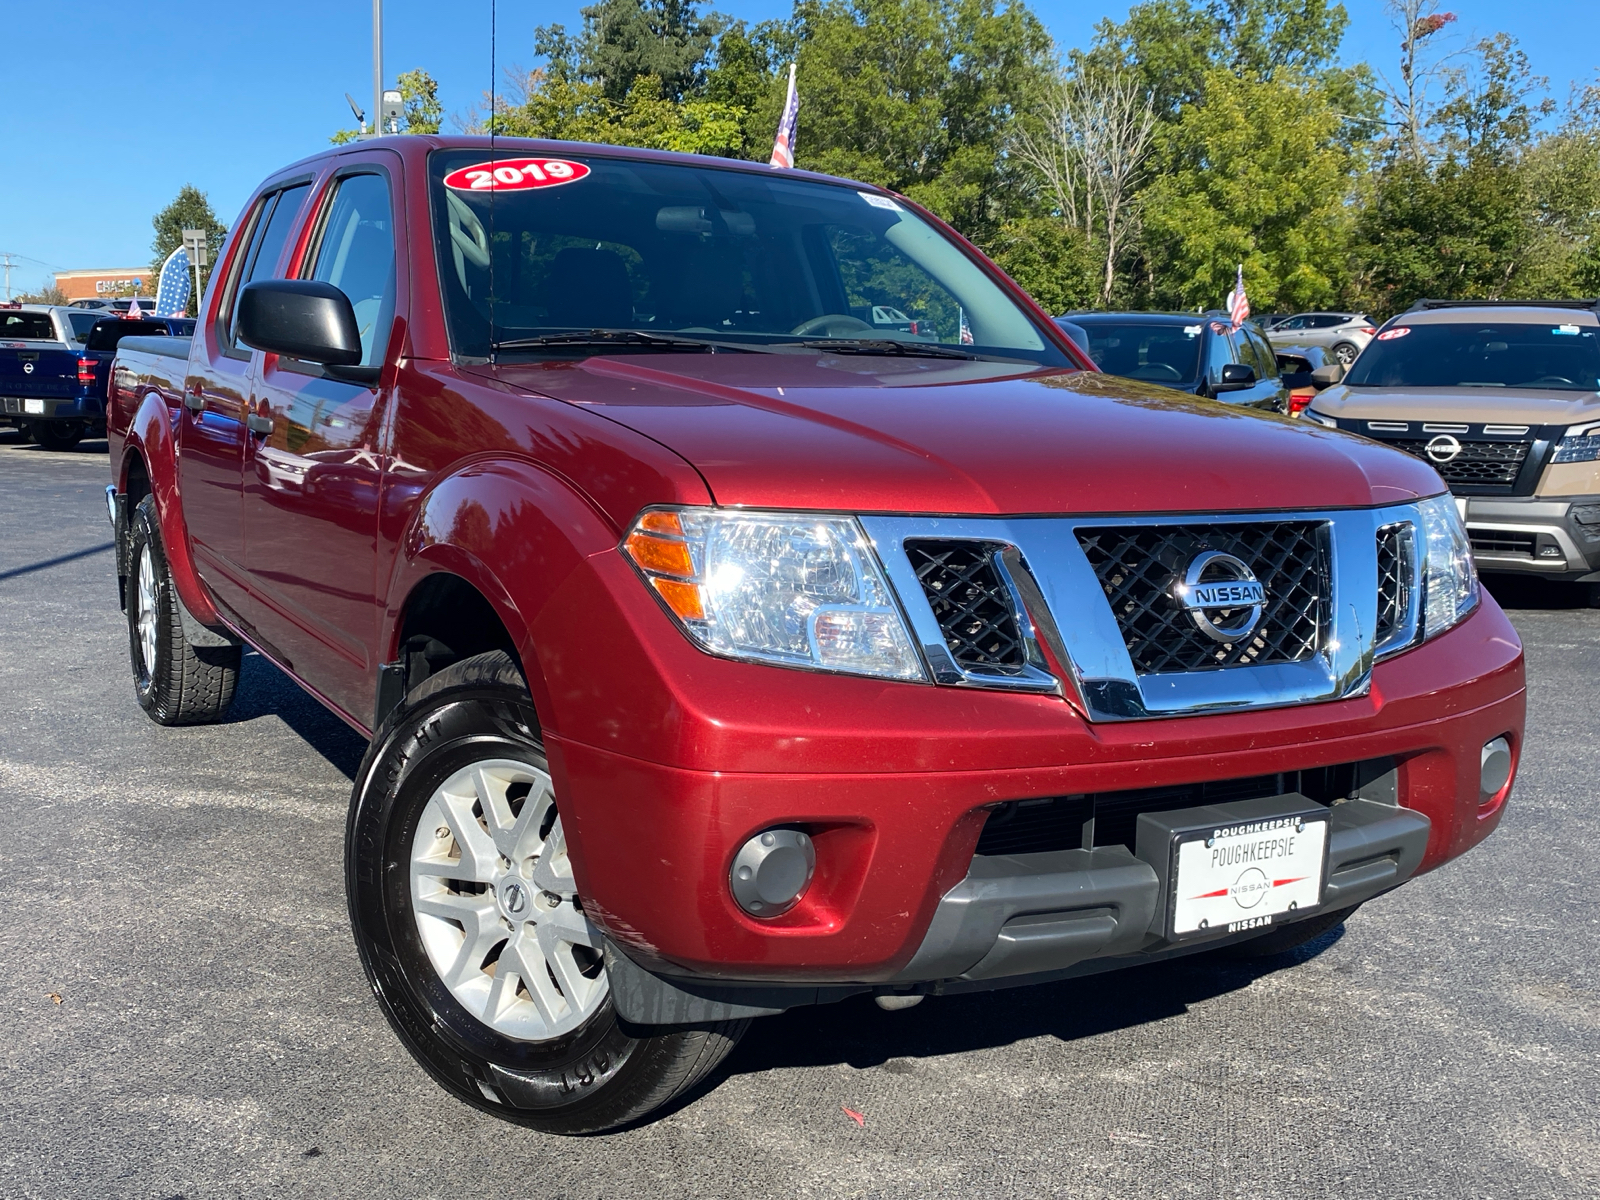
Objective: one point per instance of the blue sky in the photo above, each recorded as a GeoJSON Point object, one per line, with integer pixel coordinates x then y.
{"type": "Point", "coordinates": [219, 95]}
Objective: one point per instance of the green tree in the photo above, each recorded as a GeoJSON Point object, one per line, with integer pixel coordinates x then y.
{"type": "Point", "coordinates": [45, 295]}
{"type": "Point", "coordinates": [190, 209]}
{"type": "Point", "coordinates": [1050, 260]}
{"type": "Point", "coordinates": [624, 40]}
{"type": "Point", "coordinates": [572, 109]}
{"type": "Point", "coordinates": [1496, 211]}
{"type": "Point", "coordinates": [1255, 175]}
{"type": "Point", "coordinates": [917, 96]}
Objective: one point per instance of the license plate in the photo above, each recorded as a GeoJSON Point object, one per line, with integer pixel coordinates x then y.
{"type": "Point", "coordinates": [1247, 875]}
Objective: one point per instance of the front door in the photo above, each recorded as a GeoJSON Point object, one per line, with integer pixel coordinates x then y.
{"type": "Point", "coordinates": [212, 435]}
{"type": "Point", "coordinates": [311, 482]}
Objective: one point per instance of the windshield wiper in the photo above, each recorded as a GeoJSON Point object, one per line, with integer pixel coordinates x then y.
{"type": "Point", "coordinates": [886, 346]}
{"type": "Point", "coordinates": [622, 337]}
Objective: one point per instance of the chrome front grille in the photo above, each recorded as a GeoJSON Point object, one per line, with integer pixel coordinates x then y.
{"type": "Point", "coordinates": [1090, 608]}
{"type": "Point", "coordinates": [1138, 565]}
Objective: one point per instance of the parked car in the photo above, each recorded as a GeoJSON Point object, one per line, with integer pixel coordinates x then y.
{"type": "Point", "coordinates": [1305, 371]}
{"type": "Point", "coordinates": [1499, 398]}
{"type": "Point", "coordinates": [1200, 354]}
{"type": "Point", "coordinates": [1344, 335]}
{"type": "Point", "coordinates": [722, 653]}
{"type": "Point", "coordinates": [47, 380]}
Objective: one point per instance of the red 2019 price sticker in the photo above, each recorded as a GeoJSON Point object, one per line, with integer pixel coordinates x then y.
{"type": "Point", "coordinates": [515, 175]}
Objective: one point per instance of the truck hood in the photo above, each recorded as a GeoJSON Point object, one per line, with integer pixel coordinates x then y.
{"type": "Point", "coordinates": [873, 434]}
{"type": "Point", "coordinates": [1500, 406]}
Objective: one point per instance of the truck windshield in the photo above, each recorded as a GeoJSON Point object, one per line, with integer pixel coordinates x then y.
{"type": "Point", "coordinates": [1163, 353]}
{"type": "Point", "coordinates": [1555, 357]}
{"type": "Point", "coordinates": [27, 326]}
{"type": "Point", "coordinates": [552, 247]}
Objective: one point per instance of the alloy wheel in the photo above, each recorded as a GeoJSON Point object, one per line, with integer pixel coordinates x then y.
{"type": "Point", "coordinates": [496, 906]}
{"type": "Point", "coordinates": [145, 609]}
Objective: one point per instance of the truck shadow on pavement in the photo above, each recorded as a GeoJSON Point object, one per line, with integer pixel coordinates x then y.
{"type": "Point", "coordinates": [265, 691]}
{"type": "Point", "coordinates": [857, 1033]}
{"type": "Point", "coordinates": [1514, 592]}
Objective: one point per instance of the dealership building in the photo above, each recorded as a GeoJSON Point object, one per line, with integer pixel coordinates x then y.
{"type": "Point", "coordinates": [104, 284]}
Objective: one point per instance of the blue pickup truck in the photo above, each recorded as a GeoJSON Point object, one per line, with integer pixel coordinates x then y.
{"type": "Point", "coordinates": [55, 364]}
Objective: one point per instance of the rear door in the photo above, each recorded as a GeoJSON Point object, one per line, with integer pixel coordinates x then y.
{"type": "Point", "coordinates": [212, 436]}
{"type": "Point", "coordinates": [311, 483]}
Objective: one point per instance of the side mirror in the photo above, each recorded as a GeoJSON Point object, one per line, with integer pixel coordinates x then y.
{"type": "Point", "coordinates": [1327, 376]}
{"type": "Point", "coordinates": [1236, 376]}
{"type": "Point", "coordinates": [303, 319]}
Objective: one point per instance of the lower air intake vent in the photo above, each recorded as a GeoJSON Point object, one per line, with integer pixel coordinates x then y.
{"type": "Point", "coordinates": [970, 602]}
{"type": "Point", "coordinates": [1138, 565]}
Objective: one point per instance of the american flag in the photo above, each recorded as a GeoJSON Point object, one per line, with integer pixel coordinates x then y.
{"type": "Point", "coordinates": [783, 144]}
{"type": "Point", "coordinates": [134, 312]}
{"type": "Point", "coordinates": [172, 287]}
{"type": "Point", "coordinates": [966, 330]}
{"type": "Point", "coordinates": [1238, 302]}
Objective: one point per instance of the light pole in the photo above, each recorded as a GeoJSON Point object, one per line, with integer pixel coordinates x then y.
{"type": "Point", "coordinates": [377, 68]}
{"type": "Point", "coordinates": [194, 245]}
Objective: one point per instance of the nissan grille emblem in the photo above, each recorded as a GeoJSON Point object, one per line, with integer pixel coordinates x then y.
{"type": "Point", "coordinates": [1443, 448]}
{"type": "Point", "coordinates": [1221, 595]}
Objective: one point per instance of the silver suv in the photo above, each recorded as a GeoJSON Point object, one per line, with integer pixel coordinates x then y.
{"type": "Point", "coordinates": [1343, 335]}
{"type": "Point", "coordinates": [1503, 399]}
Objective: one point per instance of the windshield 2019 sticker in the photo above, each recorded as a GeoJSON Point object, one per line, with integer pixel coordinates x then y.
{"type": "Point", "coordinates": [515, 175]}
{"type": "Point", "coordinates": [1569, 330]}
{"type": "Point", "coordinates": [1389, 335]}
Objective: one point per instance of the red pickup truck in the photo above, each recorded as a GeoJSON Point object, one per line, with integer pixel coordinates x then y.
{"type": "Point", "coordinates": [725, 647]}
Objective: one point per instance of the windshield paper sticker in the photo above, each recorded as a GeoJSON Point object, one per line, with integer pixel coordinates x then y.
{"type": "Point", "coordinates": [515, 175]}
{"type": "Point", "coordinates": [1570, 330]}
{"type": "Point", "coordinates": [878, 201]}
{"type": "Point", "coordinates": [1389, 335]}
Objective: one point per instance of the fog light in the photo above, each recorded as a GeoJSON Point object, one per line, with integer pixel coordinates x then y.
{"type": "Point", "coordinates": [771, 871]}
{"type": "Point", "coordinates": [1495, 768]}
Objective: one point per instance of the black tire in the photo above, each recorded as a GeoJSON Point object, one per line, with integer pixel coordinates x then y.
{"type": "Point", "coordinates": [176, 683]}
{"type": "Point", "coordinates": [598, 1076]}
{"type": "Point", "coordinates": [57, 435]}
{"type": "Point", "coordinates": [1289, 937]}
{"type": "Point", "coordinates": [1346, 353]}
{"type": "Point", "coordinates": [1591, 594]}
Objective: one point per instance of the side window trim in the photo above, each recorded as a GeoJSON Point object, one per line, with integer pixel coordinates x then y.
{"type": "Point", "coordinates": [222, 324]}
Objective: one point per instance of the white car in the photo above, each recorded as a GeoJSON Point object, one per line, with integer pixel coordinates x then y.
{"type": "Point", "coordinates": [1343, 335]}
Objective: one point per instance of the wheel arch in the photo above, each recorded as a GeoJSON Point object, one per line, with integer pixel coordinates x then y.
{"type": "Point", "coordinates": [151, 444]}
{"type": "Point", "coordinates": [487, 548]}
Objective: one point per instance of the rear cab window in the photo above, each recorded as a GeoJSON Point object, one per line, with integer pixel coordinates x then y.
{"type": "Point", "coordinates": [27, 327]}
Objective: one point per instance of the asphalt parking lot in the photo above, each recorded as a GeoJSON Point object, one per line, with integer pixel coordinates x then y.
{"type": "Point", "coordinates": [185, 1014]}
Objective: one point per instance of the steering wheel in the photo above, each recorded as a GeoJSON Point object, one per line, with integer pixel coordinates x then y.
{"type": "Point", "coordinates": [1157, 372]}
{"type": "Point", "coordinates": [832, 325]}
{"type": "Point", "coordinates": [1561, 379]}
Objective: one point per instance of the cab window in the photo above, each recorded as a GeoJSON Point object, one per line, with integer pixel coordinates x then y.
{"type": "Point", "coordinates": [355, 253]}
{"type": "Point", "coordinates": [260, 260]}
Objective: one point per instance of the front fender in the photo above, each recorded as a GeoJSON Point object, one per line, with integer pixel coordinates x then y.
{"type": "Point", "coordinates": [513, 531]}
{"type": "Point", "coordinates": [150, 437]}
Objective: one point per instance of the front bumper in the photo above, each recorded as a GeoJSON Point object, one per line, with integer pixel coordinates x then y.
{"type": "Point", "coordinates": [895, 782]}
{"type": "Point", "coordinates": [1558, 537]}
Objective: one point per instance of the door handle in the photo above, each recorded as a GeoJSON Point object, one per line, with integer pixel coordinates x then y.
{"type": "Point", "coordinates": [258, 424]}
{"type": "Point", "coordinates": [194, 399]}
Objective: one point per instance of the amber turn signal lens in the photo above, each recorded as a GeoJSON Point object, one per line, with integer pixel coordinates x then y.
{"type": "Point", "coordinates": [661, 522]}
{"type": "Point", "coordinates": [659, 554]}
{"type": "Point", "coordinates": [682, 598]}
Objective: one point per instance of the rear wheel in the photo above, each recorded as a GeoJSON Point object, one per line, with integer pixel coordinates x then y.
{"type": "Point", "coordinates": [57, 435]}
{"type": "Point", "coordinates": [1346, 353]}
{"type": "Point", "coordinates": [177, 683]}
{"type": "Point", "coordinates": [471, 927]}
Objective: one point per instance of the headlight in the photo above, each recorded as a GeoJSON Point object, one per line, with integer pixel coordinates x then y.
{"type": "Point", "coordinates": [1312, 414]}
{"type": "Point", "coordinates": [1580, 444]}
{"type": "Point", "coordinates": [782, 588]}
{"type": "Point", "coordinates": [1449, 580]}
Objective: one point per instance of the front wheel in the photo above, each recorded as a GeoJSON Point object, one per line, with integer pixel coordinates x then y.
{"type": "Point", "coordinates": [1346, 353]}
{"type": "Point", "coordinates": [470, 924]}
